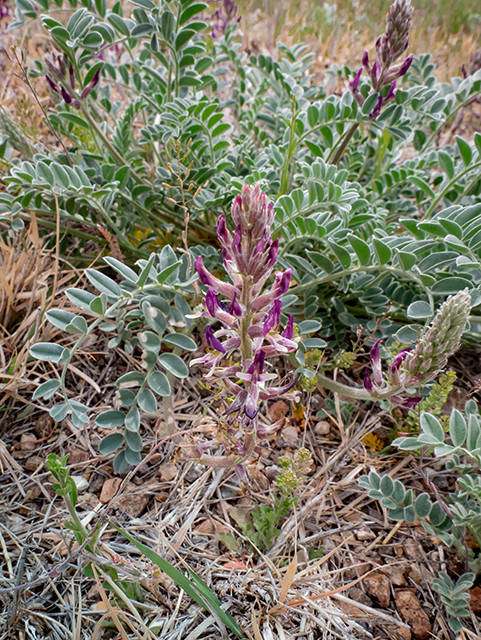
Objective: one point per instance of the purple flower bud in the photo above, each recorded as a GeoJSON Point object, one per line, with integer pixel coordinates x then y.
{"type": "Point", "coordinates": [405, 403]}
{"type": "Point", "coordinates": [209, 280]}
{"type": "Point", "coordinates": [355, 83]}
{"type": "Point", "coordinates": [53, 85]}
{"type": "Point", "coordinates": [91, 85]}
{"type": "Point", "coordinates": [246, 197]}
{"type": "Point", "coordinates": [258, 365]}
{"type": "Point", "coordinates": [377, 109]}
{"type": "Point", "coordinates": [403, 69]}
{"type": "Point", "coordinates": [236, 210]}
{"type": "Point", "coordinates": [278, 289]}
{"type": "Point", "coordinates": [237, 240]}
{"type": "Point", "coordinates": [211, 301]}
{"type": "Point", "coordinates": [390, 94]}
{"type": "Point", "coordinates": [376, 362]}
{"type": "Point", "coordinates": [365, 60]}
{"type": "Point", "coordinates": [289, 330]}
{"type": "Point", "coordinates": [260, 247]}
{"type": "Point", "coordinates": [71, 75]}
{"type": "Point", "coordinates": [234, 307]}
{"type": "Point", "coordinates": [212, 340]}
{"type": "Point", "coordinates": [376, 71]}
{"type": "Point", "coordinates": [67, 97]}
{"type": "Point", "coordinates": [222, 231]}
{"type": "Point", "coordinates": [272, 254]}
{"type": "Point", "coordinates": [367, 380]}
{"type": "Point", "coordinates": [399, 359]}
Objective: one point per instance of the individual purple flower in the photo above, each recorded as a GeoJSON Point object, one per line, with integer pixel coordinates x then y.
{"type": "Point", "coordinates": [405, 403]}
{"type": "Point", "coordinates": [212, 341]}
{"type": "Point", "coordinates": [91, 85]}
{"type": "Point", "coordinates": [375, 358]}
{"type": "Point", "coordinates": [289, 330]}
{"type": "Point", "coordinates": [273, 318]}
{"type": "Point", "coordinates": [66, 96]}
{"type": "Point", "coordinates": [235, 308]}
{"type": "Point", "coordinates": [367, 381]}
{"type": "Point", "coordinates": [53, 85]}
{"type": "Point", "coordinates": [211, 302]}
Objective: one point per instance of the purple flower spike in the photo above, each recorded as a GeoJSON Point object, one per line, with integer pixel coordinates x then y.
{"type": "Point", "coordinates": [376, 362]}
{"type": "Point", "coordinates": [289, 330]}
{"type": "Point", "coordinates": [234, 307]}
{"type": "Point", "coordinates": [367, 380]}
{"type": "Point", "coordinates": [212, 341]}
{"type": "Point", "coordinates": [273, 318]}
{"type": "Point", "coordinates": [211, 301]}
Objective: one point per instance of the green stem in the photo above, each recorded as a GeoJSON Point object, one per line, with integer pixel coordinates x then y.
{"type": "Point", "coordinates": [345, 141]}
{"type": "Point", "coordinates": [351, 392]}
{"type": "Point", "coordinates": [447, 188]}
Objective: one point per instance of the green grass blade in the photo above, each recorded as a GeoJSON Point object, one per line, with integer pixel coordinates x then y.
{"type": "Point", "coordinates": [199, 592]}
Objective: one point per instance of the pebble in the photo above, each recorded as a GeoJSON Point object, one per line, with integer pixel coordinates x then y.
{"type": "Point", "coordinates": [81, 483]}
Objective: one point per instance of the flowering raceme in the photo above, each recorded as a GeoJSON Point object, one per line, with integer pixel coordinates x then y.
{"type": "Point", "coordinates": [418, 366]}
{"type": "Point", "coordinates": [250, 318]}
{"type": "Point", "coordinates": [390, 46]}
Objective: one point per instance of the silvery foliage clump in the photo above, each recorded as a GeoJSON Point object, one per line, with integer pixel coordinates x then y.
{"type": "Point", "coordinates": [373, 217]}
{"type": "Point", "coordinates": [449, 517]}
{"type": "Point", "coordinates": [146, 314]}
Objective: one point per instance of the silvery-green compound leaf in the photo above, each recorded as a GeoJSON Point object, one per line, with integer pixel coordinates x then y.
{"type": "Point", "coordinates": [174, 364]}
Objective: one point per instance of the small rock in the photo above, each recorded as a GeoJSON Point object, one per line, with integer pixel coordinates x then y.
{"type": "Point", "coordinates": [77, 455]}
{"type": "Point", "coordinates": [322, 428]}
{"type": "Point", "coordinates": [365, 533]}
{"type": "Point", "coordinates": [258, 478]}
{"type": "Point", "coordinates": [396, 632]}
{"type": "Point", "coordinates": [378, 586]}
{"type": "Point", "coordinates": [33, 463]}
{"type": "Point", "coordinates": [395, 574]}
{"type": "Point", "coordinates": [419, 574]}
{"type": "Point", "coordinates": [278, 410]}
{"type": "Point", "coordinates": [475, 599]}
{"type": "Point", "coordinates": [290, 436]}
{"type": "Point", "coordinates": [109, 489]}
{"type": "Point", "coordinates": [412, 550]}
{"type": "Point", "coordinates": [272, 472]}
{"type": "Point", "coordinates": [81, 483]}
{"type": "Point", "coordinates": [413, 614]}
{"type": "Point", "coordinates": [44, 426]}
{"type": "Point", "coordinates": [167, 471]}
{"type": "Point", "coordinates": [133, 503]}
{"type": "Point", "coordinates": [359, 596]}
{"type": "Point", "coordinates": [28, 442]}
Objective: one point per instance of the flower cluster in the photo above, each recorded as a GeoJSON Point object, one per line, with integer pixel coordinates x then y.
{"type": "Point", "coordinates": [414, 367]}
{"type": "Point", "coordinates": [250, 318]}
{"type": "Point", "coordinates": [390, 46]}
{"type": "Point", "coordinates": [223, 16]}
{"type": "Point", "coordinates": [61, 79]}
